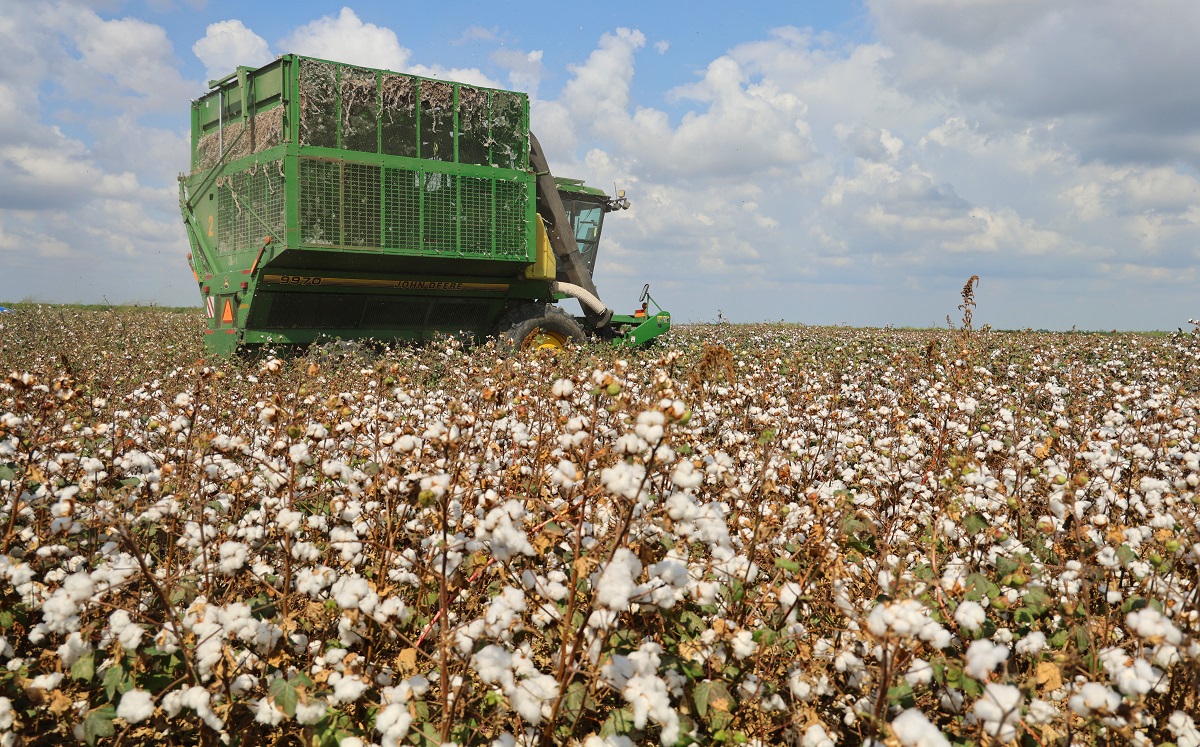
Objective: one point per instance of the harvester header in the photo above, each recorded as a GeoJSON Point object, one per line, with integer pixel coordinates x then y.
{"type": "Point", "coordinates": [327, 200]}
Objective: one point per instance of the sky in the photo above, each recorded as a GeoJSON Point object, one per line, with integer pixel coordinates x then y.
{"type": "Point", "coordinates": [849, 162]}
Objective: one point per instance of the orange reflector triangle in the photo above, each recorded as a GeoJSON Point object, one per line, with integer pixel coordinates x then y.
{"type": "Point", "coordinates": [227, 313]}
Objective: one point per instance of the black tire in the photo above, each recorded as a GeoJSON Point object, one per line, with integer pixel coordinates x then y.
{"type": "Point", "coordinates": [537, 326]}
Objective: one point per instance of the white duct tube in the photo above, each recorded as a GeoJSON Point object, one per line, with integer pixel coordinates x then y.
{"type": "Point", "coordinates": [584, 297]}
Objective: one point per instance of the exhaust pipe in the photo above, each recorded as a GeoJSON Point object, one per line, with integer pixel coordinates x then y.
{"type": "Point", "coordinates": [587, 298]}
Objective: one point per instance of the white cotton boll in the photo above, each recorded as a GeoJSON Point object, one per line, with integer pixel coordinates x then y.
{"type": "Point", "coordinates": [650, 426]}
{"type": "Point", "coordinates": [125, 630]}
{"type": "Point", "coordinates": [685, 476]}
{"type": "Point", "coordinates": [493, 664]}
{"type": "Point", "coordinates": [232, 556]}
{"type": "Point", "coordinates": [347, 688]}
{"type": "Point", "coordinates": [1094, 697]}
{"type": "Point", "coordinates": [6, 714]}
{"type": "Point", "coordinates": [1184, 728]}
{"type": "Point", "coordinates": [648, 697]}
{"type": "Point", "coordinates": [983, 657]}
{"type": "Point", "coordinates": [47, 681]}
{"type": "Point", "coordinates": [920, 672]}
{"type": "Point", "coordinates": [743, 644]}
{"type": "Point", "coordinates": [135, 706]}
{"type": "Point", "coordinates": [816, 736]}
{"type": "Point", "coordinates": [71, 651]}
{"type": "Point", "coordinates": [1041, 712]}
{"type": "Point", "coordinates": [265, 712]}
{"type": "Point", "coordinates": [562, 388]}
{"type": "Point", "coordinates": [970, 615]}
{"type": "Point", "coordinates": [913, 729]}
{"type": "Point", "coordinates": [999, 708]}
{"type": "Point", "coordinates": [298, 452]}
{"type": "Point", "coordinates": [617, 584]}
{"type": "Point", "coordinates": [533, 697]}
{"type": "Point", "coordinates": [393, 722]}
{"type": "Point", "coordinates": [503, 612]}
{"type": "Point", "coordinates": [311, 712]}
{"type": "Point", "coordinates": [1150, 624]}
{"type": "Point", "coordinates": [1032, 644]}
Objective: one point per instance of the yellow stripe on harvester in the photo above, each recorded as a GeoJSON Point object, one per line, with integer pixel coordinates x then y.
{"type": "Point", "coordinates": [421, 285]}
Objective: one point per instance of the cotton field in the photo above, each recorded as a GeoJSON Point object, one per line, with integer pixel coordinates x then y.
{"type": "Point", "coordinates": [768, 535]}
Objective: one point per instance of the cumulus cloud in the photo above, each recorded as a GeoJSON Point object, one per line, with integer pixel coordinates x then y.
{"type": "Point", "coordinates": [346, 38]}
{"type": "Point", "coordinates": [228, 44]}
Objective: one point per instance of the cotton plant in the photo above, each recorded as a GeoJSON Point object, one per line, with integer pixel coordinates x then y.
{"type": "Point", "coordinates": [899, 539]}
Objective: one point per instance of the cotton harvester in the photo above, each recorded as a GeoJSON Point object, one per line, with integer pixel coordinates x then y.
{"type": "Point", "coordinates": [329, 201]}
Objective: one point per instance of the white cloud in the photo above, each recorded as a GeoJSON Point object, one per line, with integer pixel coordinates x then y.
{"type": "Point", "coordinates": [525, 69]}
{"type": "Point", "coordinates": [345, 38]}
{"type": "Point", "coordinates": [228, 44]}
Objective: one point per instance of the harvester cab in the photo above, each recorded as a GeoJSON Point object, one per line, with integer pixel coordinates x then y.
{"type": "Point", "coordinates": [331, 201]}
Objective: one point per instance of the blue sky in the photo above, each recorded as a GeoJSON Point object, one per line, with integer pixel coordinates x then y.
{"type": "Point", "coordinates": [829, 162]}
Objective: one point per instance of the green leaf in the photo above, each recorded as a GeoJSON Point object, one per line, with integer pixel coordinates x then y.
{"type": "Point", "coordinates": [1129, 605]}
{"type": "Point", "coordinates": [99, 723]}
{"type": "Point", "coordinates": [131, 482]}
{"type": "Point", "coordinates": [788, 565]}
{"type": "Point", "coordinates": [7, 473]}
{"type": "Point", "coordinates": [115, 681]}
{"type": "Point", "coordinates": [625, 639]}
{"type": "Point", "coordinates": [84, 668]}
{"type": "Point", "coordinates": [975, 523]}
{"type": "Point", "coordinates": [287, 693]}
{"type": "Point", "coordinates": [714, 704]}
{"type": "Point", "coordinates": [7, 619]}
{"type": "Point", "coordinates": [1005, 566]}
{"type": "Point", "coordinates": [902, 695]}
{"type": "Point", "coordinates": [618, 722]}
{"type": "Point", "coordinates": [1126, 554]}
{"type": "Point", "coordinates": [1037, 601]}
{"type": "Point", "coordinates": [979, 586]}
{"type": "Point", "coordinates": [576, 701]}
{"type": "Point", "coordinates": [1059, 639]}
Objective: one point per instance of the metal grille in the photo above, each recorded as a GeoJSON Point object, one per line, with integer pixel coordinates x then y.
{"type": "Point", "coordinates": [361, 204]}
{"type": "Point", "coordinates": [358, 205]}
{"type": "Point", "coordinates": [512, 199]}
{"type": "Point", "coordinates": [250, 207]}
{"type": "Point", "coordinates": [402, 209]}
{"type": "Point", "coordinates": [320, 202]}
{"type": "Point", "coordinates": [440, 223]}
{"type": "Point", "coordinates": [349, 311]}
{"type": "Point", "coordinates": [476, 216]}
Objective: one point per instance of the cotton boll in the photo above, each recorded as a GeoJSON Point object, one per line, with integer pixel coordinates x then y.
{"type": "Point", "coordinates": [71, 651]}
{"type": "Point", "coordinates": [913, 729]}
{"type": "Point", "coordinates": [265, 712]}
{"type": "Point", "coordinates": [743, 644]}
{"type": "Point", "coordinates": [920, 672]}
{"type": "Point", "coordinates": [983, 657]}
{"type": "Point", "coordinates": [135, 706]}
{"type": "Point", "coordinates": [232, 556]}
{"type": "Point", "coordinates": [1092, 698]}
{"type": "Point", "coordinates": [533, 697]}
{"type": "Point", "coordinates": [617, 584]}
{"type": "Point", "coordinates": [1183, 727]}
{"type": "Point", "coordinates": [816, 736]}
{"type": "Point", "coordinates": [311, 712]}
{"type": "Point", "coordinates": [1032, 644]}
{"type": "Point", "coordinates": [999, 708]}
{"type": "Point", "coordinates": [347, 688]}
{"type": "Point", "coordinates": [970, 615]}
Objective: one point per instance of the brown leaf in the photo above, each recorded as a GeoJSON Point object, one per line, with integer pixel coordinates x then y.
{"type": "Point", "coordinates": [1049, 676]}
{"type": "Point", "coordinates": [406, 660]}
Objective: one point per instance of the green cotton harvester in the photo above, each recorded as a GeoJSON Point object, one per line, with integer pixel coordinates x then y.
{"type": "Point", "coordinates": [329, 201]}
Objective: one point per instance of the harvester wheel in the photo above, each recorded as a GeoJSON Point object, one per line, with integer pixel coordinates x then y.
{"type": "Point", "coordinates": [538, 327]}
